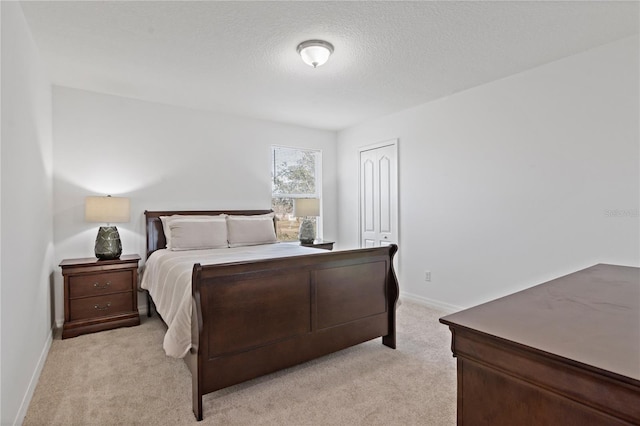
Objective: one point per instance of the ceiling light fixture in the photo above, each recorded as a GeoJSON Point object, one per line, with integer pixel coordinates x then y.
{"type": "Point", "coordinates": [315, 52]}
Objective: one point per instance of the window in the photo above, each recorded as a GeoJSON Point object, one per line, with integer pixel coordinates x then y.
{"type": "Point", "coordinates": [295, 173]}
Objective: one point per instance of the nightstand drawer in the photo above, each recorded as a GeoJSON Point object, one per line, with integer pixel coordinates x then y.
{"type": "Point", "coordinates": [99, 284]}
{"type": "Point", "coordinates": [100, 306]}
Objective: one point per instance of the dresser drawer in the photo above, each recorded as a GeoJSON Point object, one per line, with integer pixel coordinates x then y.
{"type": "Point", "coordinates": [99, 284]}
{"type": "Point", "coordinates": [99, 306]}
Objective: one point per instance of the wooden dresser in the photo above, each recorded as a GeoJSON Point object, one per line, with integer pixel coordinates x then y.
{"type": "Point", "coordinates": [566, 352]}
{"type": "Point", "coordinates": [99, 294]}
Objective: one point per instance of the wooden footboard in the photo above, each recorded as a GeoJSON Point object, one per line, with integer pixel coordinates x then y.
{"type": "Point", "coordinates": [254, 318]}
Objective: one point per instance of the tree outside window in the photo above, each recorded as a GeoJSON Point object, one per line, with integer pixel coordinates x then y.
{"type": "Point", "coordinates": [295, 173]}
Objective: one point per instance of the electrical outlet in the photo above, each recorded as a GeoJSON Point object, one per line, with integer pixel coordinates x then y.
{"type": "Point", "coordinates": [427, 276]}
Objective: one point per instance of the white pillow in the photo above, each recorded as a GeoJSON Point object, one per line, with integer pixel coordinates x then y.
{"type": "Point", "coordinates": [251, 230]}
{"type": "Point", "coordinates": [167, 219]}
{"type": "Point", "coordinates": [198, 234]}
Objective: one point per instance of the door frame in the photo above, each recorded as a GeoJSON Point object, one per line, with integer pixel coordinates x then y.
{"type": "Point", "coordinates": [389, 142]}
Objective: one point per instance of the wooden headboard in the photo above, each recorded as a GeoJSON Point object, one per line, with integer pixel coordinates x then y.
{"type": "Point", "coordinates": [155, 233]}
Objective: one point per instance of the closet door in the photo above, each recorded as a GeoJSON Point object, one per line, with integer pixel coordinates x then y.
{"type": "Point", "coordinates": [379, 195]}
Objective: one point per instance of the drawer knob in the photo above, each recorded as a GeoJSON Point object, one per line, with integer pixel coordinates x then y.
{"type": "Point", "coordinates": [97, 285]}
{"type": "Point", "coordinates": [102, 308]}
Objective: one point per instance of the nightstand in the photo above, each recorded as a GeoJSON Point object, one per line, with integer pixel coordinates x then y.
{"type": "Point", "coordinates": [99, 294]}
{"type": "Point", "coordinates": [321, 244]}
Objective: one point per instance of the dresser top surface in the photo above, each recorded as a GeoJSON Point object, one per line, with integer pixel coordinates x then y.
{"type": "Point", "coordinates": [591, 316]}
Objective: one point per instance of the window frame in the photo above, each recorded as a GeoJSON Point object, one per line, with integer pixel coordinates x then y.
{"type": "Point", "coordinates": [318, 181]}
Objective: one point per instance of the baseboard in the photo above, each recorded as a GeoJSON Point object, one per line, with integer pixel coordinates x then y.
{"type": "Point", "coordinates": [142, 309]}
{"type": "Point", "coordinates": [22, 412]}
{"type": "Point", "coordinates": [430, 303]}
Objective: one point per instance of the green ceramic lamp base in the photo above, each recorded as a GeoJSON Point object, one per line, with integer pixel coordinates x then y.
{"type": "Point", "coordinates": [307, 232]}
{"type": "Point", "coordinates": [108, 245]}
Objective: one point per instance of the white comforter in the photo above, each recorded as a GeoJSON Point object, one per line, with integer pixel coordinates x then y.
{"type": "Point", "coordinates": [167, 277]}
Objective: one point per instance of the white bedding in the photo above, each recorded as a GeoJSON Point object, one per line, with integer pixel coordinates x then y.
{"type": "Point", "coordinates": [167, 277]}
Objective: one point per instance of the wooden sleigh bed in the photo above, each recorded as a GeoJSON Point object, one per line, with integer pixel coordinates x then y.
{"type": "Point", "coordinates": [252, 318]}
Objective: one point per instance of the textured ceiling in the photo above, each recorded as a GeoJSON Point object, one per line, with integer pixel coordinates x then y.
{"type": "Point", "coordinates": [240, 57]}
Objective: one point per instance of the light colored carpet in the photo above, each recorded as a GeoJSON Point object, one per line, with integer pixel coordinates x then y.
{"type": "Point", "coordinates": [122, 377]}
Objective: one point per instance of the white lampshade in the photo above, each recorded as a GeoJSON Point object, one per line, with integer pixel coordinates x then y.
{"type": "Point", "coordinates": [107, 209]}
{"type": "Point", "coordinates": [315, 52]}
{"type": "Point", "coordinates": [306, 207]}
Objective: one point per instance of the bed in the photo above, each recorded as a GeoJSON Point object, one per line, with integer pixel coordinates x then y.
{"type": "Point", "coordinates": [249, 318]}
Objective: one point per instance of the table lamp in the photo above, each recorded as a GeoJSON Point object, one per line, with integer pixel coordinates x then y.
{"type": "Point", "coordinates": [107, 210]}
{"type": "Point", "coordinates": [305, 207]}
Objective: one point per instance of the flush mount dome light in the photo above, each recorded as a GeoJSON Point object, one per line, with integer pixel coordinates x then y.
{"type": "Point", "coordinates": [315, 52]}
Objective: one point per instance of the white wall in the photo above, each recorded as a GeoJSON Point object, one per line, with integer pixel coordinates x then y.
{"type": "Point", "coordinates": [26, 217]}
{"type": "Point", "coordinates": [1, 138]}
{"type": "Point", "coordinates": [163, 157]}
{"type": "Point", "coordinates": [513, 183]}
